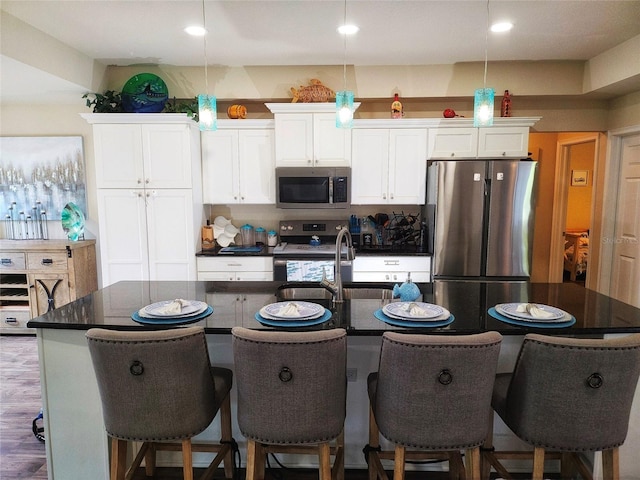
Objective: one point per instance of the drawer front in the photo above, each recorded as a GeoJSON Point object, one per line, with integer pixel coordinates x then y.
{"type": "Point", "coordinates": [12, 261]}
{"type": "Point", "coordinates": [14, 319]}
{"type": "Point", "coordinates": [45, 261]}
{"type": "Point", "coordinates": [391, 264]}
{"type": "Point", "coordinates": [395, 276]}
{"type": "Point", "coordinates": [235, 264]}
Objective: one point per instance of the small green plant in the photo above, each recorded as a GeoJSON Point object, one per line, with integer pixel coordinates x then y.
{"type": "Point", "coordinates": [107, 102]}
{"type": "Point", "coordinates": [186, 106]}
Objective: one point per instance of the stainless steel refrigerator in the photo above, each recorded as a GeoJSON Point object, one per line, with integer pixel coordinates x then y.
{"type": "Point", "coordinates": [481, 217]}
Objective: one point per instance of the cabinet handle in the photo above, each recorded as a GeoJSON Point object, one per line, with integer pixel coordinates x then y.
{"type": "Point", "coordinates": [7, 261]}
{"type": "Point", "coordinates": [391, 196]}
{"type": "Point", "coordinates": [11, 320]}
{"type": "Point", "coordinates": [453, 154]}
{"type": "Point", "coordinates": [146, 181]}
{"type": "Point", "coordinates": [235, 198]}
{"type": "Point", "coordinates": [47, 261]}
{"type": "Point", "coordinates": [139, 181]}
{"type": "Point", "coordinates": [242, 198]}
{"type": "Point", "coordinates": [309, 161]}
{"type": "Point", "coordinates": [384, 196]}
{"type": "Point", "coordinates": [504, 154]}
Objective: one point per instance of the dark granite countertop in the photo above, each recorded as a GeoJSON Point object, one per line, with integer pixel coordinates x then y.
{"type": "Point", "coordinates": [235, 304]}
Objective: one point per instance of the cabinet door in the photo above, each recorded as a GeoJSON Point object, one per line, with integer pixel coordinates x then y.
{"type": "Point", "coordinates": [370, 166]}
{"type": "Point", "coordinates": [48, 291]}
{"type": "Point", "coordinates": [220, 167]}
{"type": "Point", "coordinates": [123, 235]}
{"type": "Point", "coordinates": [118, 150]}
{"type": "Point", "coordinates": [167, 156]}
{"type": "Point", "coordinates": [503, 142]}
{"type": "Point", "coordinates": [453, 143]}
{"type": "Point", "coordinates": [294, 139]}
{"type": "Point", "coordinates": [407, 166]}
{"type": "Point", "coordinates": [331, 145]}
{"type": "Point", "coordinates": [257, 166]}
{"type": "Point", "coordinates": [171, 236]}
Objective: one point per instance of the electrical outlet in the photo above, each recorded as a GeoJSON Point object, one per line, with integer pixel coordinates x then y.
{"type": "Point", "coordinates": [352, 374]}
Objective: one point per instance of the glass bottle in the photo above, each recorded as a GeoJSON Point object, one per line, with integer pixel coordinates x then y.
{"type": "Point", "coordinates": [396, 107]}
{"type": "Point", "coordinates": [505, 107]}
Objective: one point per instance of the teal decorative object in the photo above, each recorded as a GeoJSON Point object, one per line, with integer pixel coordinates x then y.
{"type": "Point", "coordinates": [73, 222]}
{"type": "Point", "coordinates": [144, 93]}
{"type": "Point", "coordinates": [408, 291]}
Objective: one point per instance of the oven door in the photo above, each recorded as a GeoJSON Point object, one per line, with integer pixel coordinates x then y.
{"type": "Point", "coordinates": [309, 269]}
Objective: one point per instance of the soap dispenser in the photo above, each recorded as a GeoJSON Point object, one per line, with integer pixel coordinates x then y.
{"type": "Point", "coordinates": [408, 291]}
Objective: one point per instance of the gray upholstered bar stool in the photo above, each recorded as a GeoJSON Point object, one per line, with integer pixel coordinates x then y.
{"type": "Point", "coordinates": [431, 397]}
{"type": "Point", "coordinates": [291, 395]}
{"type": "Point", "coordinates": [159, 388]}
{"type": "Point", "coordinates": [569, 395]}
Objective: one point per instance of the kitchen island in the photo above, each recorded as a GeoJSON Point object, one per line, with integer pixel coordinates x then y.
{"type": "Point", "coordinates": [77, 446]}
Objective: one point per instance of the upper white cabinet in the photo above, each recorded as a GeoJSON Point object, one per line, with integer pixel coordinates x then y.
{"type": "Point", "coordinates": [238, 164]}
{"type": "Point", "coordinates": [458, 138]}
{"type": "Point", "coordinates": [307, 136]}
{"type": "Point", "coordinates": [451, 143]}
{"type": "Point", "coordinates": [149, 195]}
{"type": "Point", "coordinates": [388, 166]}
{"type": "Point", "coordinates": [507, 142]}
{"type": "Point", "coordinates": [135, 155]}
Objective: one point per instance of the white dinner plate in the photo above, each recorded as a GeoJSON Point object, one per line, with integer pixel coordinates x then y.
{"type": "Point", "coordinates": [400, 310]}
{"type": "Point", "coordinates": [306, 310]}
{"type": "Point", "coordinates": [191, 308]}
{"type": "Point", "coordinates": [510, 310]}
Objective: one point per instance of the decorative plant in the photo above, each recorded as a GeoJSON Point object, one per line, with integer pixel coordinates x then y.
{"type": "Point", "coordinates": [188, 107]}
{"type": "Point", "coordinates": [107, 102]}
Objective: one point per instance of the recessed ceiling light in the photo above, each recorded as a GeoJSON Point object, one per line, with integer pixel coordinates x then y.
{"type": "Point", "coordinates": [348, 29]}
{"type": "Point", "coordinates": [196, 30]}
{"type": "Point", "coordinates": [501, 27]}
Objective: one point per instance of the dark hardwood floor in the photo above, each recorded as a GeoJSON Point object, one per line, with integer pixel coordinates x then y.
{"type": "Point", "coordinates": [22, 456]}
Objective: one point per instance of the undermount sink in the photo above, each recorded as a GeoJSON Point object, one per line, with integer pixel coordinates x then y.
{"type": "Point", "coordinates": [313, 292]}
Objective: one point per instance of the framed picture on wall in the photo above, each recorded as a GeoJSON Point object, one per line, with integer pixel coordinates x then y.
{"type": "Point", "coordinates": [579, 178]}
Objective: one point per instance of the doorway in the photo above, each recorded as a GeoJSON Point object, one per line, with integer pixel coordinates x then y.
{"type": "Point", "coordinates": [576, 226]}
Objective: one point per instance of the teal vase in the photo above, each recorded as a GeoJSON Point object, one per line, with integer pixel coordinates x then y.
{"type": "Point", "coordinates": [73, 221]}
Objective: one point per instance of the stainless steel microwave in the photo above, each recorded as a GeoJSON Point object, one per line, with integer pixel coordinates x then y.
{"type": "Point", "coordinates": [311, 187]}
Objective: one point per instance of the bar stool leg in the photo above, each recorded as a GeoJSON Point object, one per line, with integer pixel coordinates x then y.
{"type": "Point", "coordinates": [398, 463]}
{"type": "Point", "coordinates": [187, 459]}
{"type": "Point", "coordinates": [118, 458]}
{"type": "Point", "coordinates": [324, 456]}
{"type": "Point", "coordinates": [611, 464]}
{"type": "Point", "coordinates": [251, 460]}
{"type": "Point", "coordinates": [538, 463]}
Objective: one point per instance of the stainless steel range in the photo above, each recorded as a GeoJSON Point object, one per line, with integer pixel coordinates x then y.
{"type": "Point", "coordinates": [307, 249]}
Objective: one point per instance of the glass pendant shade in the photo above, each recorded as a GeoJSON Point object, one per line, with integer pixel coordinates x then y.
{"type": "Point", "coordinates": [207, 112]}
{"type": "Point", "coordinates": [483, 107]}
{"type": "Point", "coordinates": [344, 109]}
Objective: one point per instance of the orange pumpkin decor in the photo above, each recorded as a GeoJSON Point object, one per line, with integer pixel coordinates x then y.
{"type": "Point", "coordinates": [237, 111]}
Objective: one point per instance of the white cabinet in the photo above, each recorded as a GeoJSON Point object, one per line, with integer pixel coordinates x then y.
{"type": "Point", "coordinates": [384, 268]}
{"type": "Point", "coordinates": [240, 307]}
{"type": "Point", "coordinates": [238, 166]}
{"type": "Point", "coordinates": [134, 155]}
{"type": "Point", "coordinates": [452, 143]}
{"type": "Point", "coordinates": [389, 166]}
{"type": "Point", "coordinates": [241, 269]}
{"type": "Point", "coordinates": [499, 142]}
{"type": "Point", "coordinates": [149, 195]}
{"type": "Point", "coordinates": [307, 136]}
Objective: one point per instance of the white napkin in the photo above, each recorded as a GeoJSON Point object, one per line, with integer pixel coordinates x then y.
{"type": "Point", "coordinates": [174, 307]}
{"type": "Point", "coordinates": [291, 309]}
{"type": "Point", "coordinates": [416, 310]}
{"type": "Point", "coordinates": [533, 310]}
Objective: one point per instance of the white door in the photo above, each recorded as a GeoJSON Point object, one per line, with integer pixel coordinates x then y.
{"type": "Point", "coordinates": [625, 276]}
{"type": "Point", "coordinates": [167, 156]}
{"type": "Point", "coordinates": [294, 139]}
{"type": "Point", "coordinates": [331, 145]}
{"type": "Point", "coordinates": [118, 150]}
{"type": "Point", "coordinates": [407, 166]}
{"type": "Point", "coordinates": [257, 166]}
{"type": "Point", "coordinates": [220, 182]}
{"type": "Point", "coordinates": [370, 166]}
{"type": "Point", "coordinates": [123, 235]}
{"type": "Point", "coordinates": [170, 233]}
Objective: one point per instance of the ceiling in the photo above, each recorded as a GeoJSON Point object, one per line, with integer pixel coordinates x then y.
{"type": "Point", "coordinates": [303, 32]}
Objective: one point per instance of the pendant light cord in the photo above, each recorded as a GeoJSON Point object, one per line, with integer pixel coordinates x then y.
{"type": "Point", "coordinates": [486, 48]}
{"type": "Point", "coordinates": [344, 62]}
{"type": "Point", "coordinates": [204, 25]}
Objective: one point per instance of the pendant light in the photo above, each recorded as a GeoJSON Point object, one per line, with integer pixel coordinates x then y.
{"type": "Point", "coordinates": [207, 105]}
{"type": "Point", "coordinates": [484, 97]}
{"type": "Point", "coordinates": [344, 98]}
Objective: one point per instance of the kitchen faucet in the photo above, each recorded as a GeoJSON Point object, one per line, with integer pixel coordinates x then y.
{"type": "Point", "coordinates": [335, 287]}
